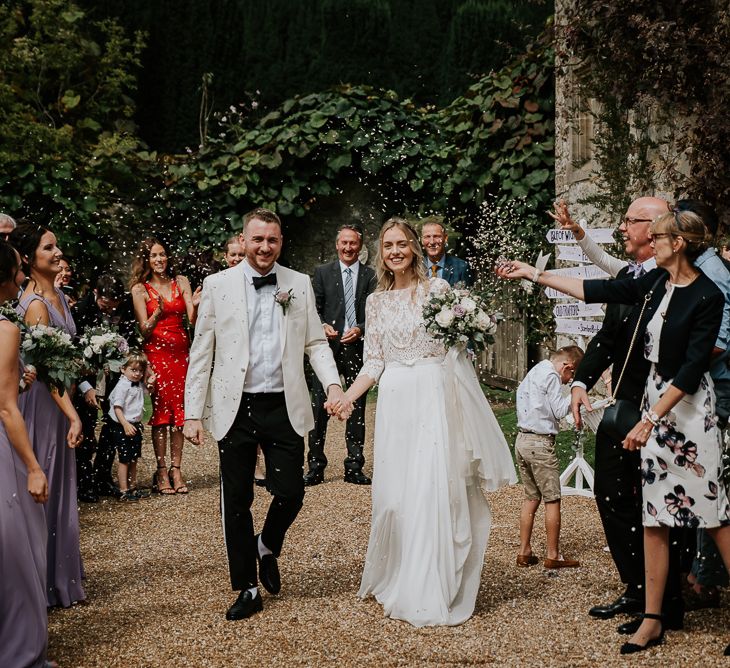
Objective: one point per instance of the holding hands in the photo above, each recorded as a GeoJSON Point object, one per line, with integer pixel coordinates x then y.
{"type": "Point", "coordinates": [338, 403]}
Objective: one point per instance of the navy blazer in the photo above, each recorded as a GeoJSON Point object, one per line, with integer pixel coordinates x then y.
{"type": "Point", "coordinates": [455, 270]}
{"type": "Point", "coordinates": [329, 295]}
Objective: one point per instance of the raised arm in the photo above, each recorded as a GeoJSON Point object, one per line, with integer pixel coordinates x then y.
{"type": "Point", "coordinates": [192, 299]}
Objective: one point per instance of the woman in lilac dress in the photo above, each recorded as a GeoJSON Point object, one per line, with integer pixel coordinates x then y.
{"type": "Point", "coordinates": [52, 421]}
{"type": "Point", "coordinates": [23, 488]}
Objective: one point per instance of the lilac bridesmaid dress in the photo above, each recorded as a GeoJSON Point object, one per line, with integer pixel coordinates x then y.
{"type": "Point", "coordinates": [23, 616]}
{"type": "Point", "coordinates": [47, 428]}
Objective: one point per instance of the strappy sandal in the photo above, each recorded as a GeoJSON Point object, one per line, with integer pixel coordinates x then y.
{"type": "Point", "coordinates": [632, 648]}
{"type": "Point", "coordinates": [181, 489]}
{"type": "Point", "coordinates": [165, 491]}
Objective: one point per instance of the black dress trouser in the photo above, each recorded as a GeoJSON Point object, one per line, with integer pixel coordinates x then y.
{"type": "Point", "coordinates": [617, 488]}
{"type": "Point", "coordinates": [349, 363]}
{"type": "Point", "coordinates": [262, 419]}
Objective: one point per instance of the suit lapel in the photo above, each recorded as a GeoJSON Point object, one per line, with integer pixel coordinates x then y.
{"type": "Point", "coordinates": [448, 272]}
{"type": "Point", "coordinates": [361, 281]}
{"type": "Point", "coordinates": [337, 281]}
{"type": "Point", "coordinates": [238, 290]}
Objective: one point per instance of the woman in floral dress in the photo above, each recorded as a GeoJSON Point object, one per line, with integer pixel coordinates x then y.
{"type": "Point", "coordinates": [678, 435]}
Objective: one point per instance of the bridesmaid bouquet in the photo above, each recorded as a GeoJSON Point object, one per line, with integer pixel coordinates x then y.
{"type": "Point", "coordinates": [102, 348]}
{"type": "Point", "coordinates": [459, 317]}
{"type": "Point", "coordinates": [53, 354]}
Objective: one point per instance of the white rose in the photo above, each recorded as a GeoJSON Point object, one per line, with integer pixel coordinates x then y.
{"type": "Point", "coordinates": [468, 304]}
{"type": "Point", "coordinates": [439, 287]}
{"type": "Point", "coordinates": [88, 352]}
{"type": "Point", "coordinates": [445, 317]}
{"type": "Point", "coordinates": [483, 320]}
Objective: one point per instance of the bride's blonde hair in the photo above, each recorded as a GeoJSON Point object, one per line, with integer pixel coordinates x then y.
{"type": "Point", "coordinates": [385, 276]}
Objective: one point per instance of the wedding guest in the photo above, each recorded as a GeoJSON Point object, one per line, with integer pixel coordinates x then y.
{"type": "Point", "coordinates": [340, 290]}
{"type": "Point", "coordinates": [7, 225]}
{"type": "Point", "coordinates": [677, 436]}
{"type": "Point", "coordinates": [725, 248]}
{"type": "Point", "coordinates": [540, 407]}
{"type": "Point", "coordinates": [162, 299]}
{"type": "Point", "coordinates": [248, 384]}
{"type": "Point", "coordinates": [106, 305]}
{"type": "Point", "coordinates": [51, 419]}
{"type": "Point", "coordinates": [706, 564]}
{"type": "Point", "coordinates": [233, 251]}
{"type": "Point", "coordinates": [439, 263]}
{"type": "Point", "coordinates": [126, 406]}
{"type": "Point", "coordinates": [617, 480]}
{"type": "Point", "coordinates": [438, 446]}
{"type": "Point", "coordinates": [23, 490]}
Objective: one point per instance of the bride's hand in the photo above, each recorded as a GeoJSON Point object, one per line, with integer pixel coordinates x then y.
{"type": "Point", "coordinates": [513, 269]}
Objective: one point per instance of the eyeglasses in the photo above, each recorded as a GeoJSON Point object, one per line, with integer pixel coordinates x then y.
{"type": "Point", "coordinates": [628, 221]}
{"type": "Point", "coordinates": [654, 237]}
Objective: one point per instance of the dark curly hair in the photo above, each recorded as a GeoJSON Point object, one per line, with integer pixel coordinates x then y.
{"type": "Point", "coordinates": [141, 269]}
{"type": "Point", "coordinates": [26, 238]}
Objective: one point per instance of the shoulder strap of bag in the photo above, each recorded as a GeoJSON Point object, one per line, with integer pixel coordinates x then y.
{"type": "Point", "coordinates": [647, 299]}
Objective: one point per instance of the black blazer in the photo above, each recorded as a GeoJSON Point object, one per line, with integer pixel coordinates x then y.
{"type": "Point", "coordinates": [329, 295]}
{"type": "Point", "coordinates": [691, 324]}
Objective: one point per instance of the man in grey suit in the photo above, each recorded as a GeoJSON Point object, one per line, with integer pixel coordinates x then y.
{"type": "Point", "coordinates": [438, 262]}
{"type": "Point", "coordinates": [340, 290]}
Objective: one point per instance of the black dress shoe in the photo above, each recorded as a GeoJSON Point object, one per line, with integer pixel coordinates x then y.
{"type": "Point", "coordinates": [245, 606]}
{"type": "Point", "coordinates": [261, 482]}
{"type": "Point", "coordinates": [108, 489]}
{"type": "Point", "coordinates": [268, 571]}
{"type": "Point", "coordinates": [314, 477]}
{"type": "Point", "coordinates": [87, 496]}
{"type": "Point", "coordinates": [357, 478]}
{"type": "Point", "coordinates": [622, 605]}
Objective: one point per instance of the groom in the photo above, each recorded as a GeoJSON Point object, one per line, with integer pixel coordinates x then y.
{"type": "Point", "coordinates": [256, 321]}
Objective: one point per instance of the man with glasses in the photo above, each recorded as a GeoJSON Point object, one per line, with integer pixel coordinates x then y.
{"type": "Point", "coordinates": [617, 484]}
{"type": "Point", "coordinates": [7, 225]}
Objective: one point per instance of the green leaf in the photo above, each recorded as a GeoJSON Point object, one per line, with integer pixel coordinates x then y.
{"type": "Point", "coordinates": [339, 161]}
{"type": "Point", "coordinates": [70, 99]}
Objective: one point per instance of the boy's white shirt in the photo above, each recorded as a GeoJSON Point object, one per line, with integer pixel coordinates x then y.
{"type": "Point", "coordinates": [540, 402]}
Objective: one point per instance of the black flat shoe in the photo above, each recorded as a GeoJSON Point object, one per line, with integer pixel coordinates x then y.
{"type": "Point", "coordinates": [268, 571]}
{"type": "Point", "coordinates": [313, 478]}
{"type": "Point", "coordinates": [357, 478]}
{"type": "Point", "coordinates": [261, 482]}
{"type": "Point", "coordinates": [245, 606]}
{"type": "Point", "coordinates": [727, 651]}
{"type": "Point", "coordinates": [633, 648]}
{"type": "Point", "coordinates": [622, 605]}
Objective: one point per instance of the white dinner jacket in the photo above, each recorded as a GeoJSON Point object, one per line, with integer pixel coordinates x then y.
{"type": "Point", "coordinates": [219, 355]}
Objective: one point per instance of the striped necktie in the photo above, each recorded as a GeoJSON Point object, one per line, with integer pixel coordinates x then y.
{"type": "Point", "coordinates": [434, 270]}
{"type": "Point", "coordinates": [350, 319]}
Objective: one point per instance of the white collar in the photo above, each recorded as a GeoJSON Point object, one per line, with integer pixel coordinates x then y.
{"type": "Point", "coordinates": [249, 272]}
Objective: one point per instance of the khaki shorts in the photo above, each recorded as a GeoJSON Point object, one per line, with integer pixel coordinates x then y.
{"type": "Point", "coordinates": [538, 465]}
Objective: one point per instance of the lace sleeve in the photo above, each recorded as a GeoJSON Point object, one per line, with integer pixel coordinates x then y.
{"type": "Point", "coordinates": [373, 359]}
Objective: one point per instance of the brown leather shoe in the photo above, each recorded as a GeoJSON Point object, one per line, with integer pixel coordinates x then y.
{"type": "Point", "coordinates": [561, 563]}
{"type": "Point", "coordinates": [527, 560]}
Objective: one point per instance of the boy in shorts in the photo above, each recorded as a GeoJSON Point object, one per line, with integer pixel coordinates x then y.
{"type": "Point", "coordinates": [540, 407]}
{"type": "Point", "coordinates": [126, 406]}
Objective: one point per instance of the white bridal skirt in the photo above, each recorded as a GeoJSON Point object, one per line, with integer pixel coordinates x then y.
{"type": "Point", "coordinates": [437, 446]}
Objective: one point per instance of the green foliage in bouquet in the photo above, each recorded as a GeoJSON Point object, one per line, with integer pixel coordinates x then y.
{"type": "Point", "coordinates": [53, 354]}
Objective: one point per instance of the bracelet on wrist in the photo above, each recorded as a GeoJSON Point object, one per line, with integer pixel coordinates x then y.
{"type": "Point", "coordinates": [651, 417]}
{"type": "Point", "coordinates": [536, 275]}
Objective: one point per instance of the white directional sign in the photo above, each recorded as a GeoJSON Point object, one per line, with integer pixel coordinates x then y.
{"type": "Point", "coordinates": [577, 309]}
{"type": "Point", "coordinates": [601, 235]}
{"type": "Point", "coordinates": [577, 327]}
{"type": "Point", "coordinates": [552, 293]}
{"type": "Point", "coordinates": [571, 254]}
{"type": "Point", "coordinates": [586, 271]}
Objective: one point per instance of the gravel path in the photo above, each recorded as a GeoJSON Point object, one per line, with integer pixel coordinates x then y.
{"type": "Point", "coordinates": [158, 589]}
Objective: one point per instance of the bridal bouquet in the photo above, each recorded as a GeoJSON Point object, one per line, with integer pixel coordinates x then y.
{"type": "Point", "coordinates": [103, 348]}
{"type": "Point", "coordinates": [459, 316]}
{"type": "Point", "coordinates": [53, 354]}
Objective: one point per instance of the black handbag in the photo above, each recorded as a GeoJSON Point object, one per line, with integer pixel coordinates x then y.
{"type": "Point", "coordinates": [621, 415]}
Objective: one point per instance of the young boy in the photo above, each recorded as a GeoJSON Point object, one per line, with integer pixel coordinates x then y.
{"type": "Point", "coordinates": [126, 405]}
{"type": "Point", "coordinates": [540, 406]}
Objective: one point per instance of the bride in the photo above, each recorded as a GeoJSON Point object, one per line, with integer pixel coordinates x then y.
{"type": "Point", "coordinates": [437, 447]}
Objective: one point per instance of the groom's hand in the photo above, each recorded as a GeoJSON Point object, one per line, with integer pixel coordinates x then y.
{"type": "Point", "coordinates": [336, 402]}
{"type": "Point", "coordinates": [193, 431]}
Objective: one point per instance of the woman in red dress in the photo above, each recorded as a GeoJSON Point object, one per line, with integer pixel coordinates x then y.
{"type": "Point", "coordinates": [161, 302]}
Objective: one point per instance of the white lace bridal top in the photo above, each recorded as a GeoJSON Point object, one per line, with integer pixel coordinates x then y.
{"type": "Point", "coordinates": [394, 328]}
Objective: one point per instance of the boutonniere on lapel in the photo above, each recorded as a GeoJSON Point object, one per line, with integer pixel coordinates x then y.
{"type": "Point", "coordinates": [284, 298]}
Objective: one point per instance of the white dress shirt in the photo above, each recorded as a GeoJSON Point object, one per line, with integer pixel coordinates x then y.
{"type": "Point", "coordinates": [264, 372]}
{"type": "Point", "coordinates": [129, 398]}
{"type": "Point", "coordinates": [540, 403]}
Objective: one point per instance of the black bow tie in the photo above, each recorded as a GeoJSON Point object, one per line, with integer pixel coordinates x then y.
{"type": "Point", "coordinates": [259, 281]}
{"type": "Point", "coordinates": [135, 383]}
